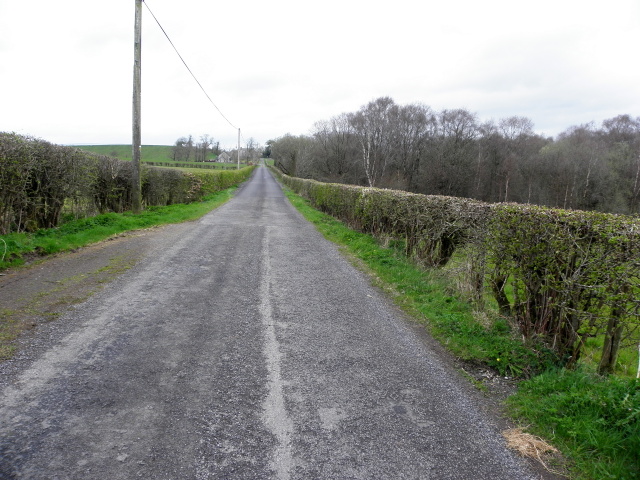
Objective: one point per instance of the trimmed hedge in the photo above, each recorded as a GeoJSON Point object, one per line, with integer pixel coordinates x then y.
{"type": "Point", "coordinates": [572, 275]}
{"type": "Point", "coordinates": [561, 276]}
{"type": "Point", "coordinates": [432, 227]}
{"type": "Point", "coordinates": [40, 181]}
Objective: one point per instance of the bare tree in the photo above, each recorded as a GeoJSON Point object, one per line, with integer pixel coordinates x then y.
{"type": "Point", "coordinates": [371, 126]}
{"type": "Point", "coordinates": [252, 151]}
{"type": "Point", "coordinates": [413, 126]}
{"type": "Point", "coordinates": [576, 167]}
{"type": "Point", "coordinates": [292, 154]}
{"type": "Point", "coordinates": [202, 148]}
{"type": "Point", "coordinates": [338, 151]}
{"type": "Point", "coordinates": [622, 137]}
{"type": "Point", "coordinates": [182, 149]}
{"type": "Point", "coordinates": [515, 131]}
{"type": "Point", "coordinates": [452, 151]}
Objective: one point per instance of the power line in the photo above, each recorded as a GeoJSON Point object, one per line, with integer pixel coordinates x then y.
{"type": "Point", "coordinates": [185, 64]}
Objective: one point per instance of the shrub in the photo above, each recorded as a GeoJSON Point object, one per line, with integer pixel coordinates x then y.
{"type": "Point", "coordinates": [572, 275]}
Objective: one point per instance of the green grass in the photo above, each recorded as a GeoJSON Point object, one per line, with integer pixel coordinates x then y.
{"type": "Point", "coordinates": [78, 233]}
{"type": "Point", "coordinates": [149, 153]}
{"type": "Point", "coordinates": [9, 330]}
{"type": "Point", "coordinates": [627, 364]}
{"type": "Point", "coordinates": [594, 421]}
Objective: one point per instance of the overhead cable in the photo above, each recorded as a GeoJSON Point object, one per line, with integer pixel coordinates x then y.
{"type": "Point", "coordinates": [185, 64]}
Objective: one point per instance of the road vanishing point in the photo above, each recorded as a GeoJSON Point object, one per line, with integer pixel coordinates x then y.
{"type": "Point", "coordinates": [244, 346]}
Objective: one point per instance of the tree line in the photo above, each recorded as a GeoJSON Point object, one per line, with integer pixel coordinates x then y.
{"type": "Point", "coordinates": [186, 149]}
{"type": "Point", "coordinates": [451, 152]}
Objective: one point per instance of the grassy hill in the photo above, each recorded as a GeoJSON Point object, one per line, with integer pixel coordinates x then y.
{"type": "Point", "coordinates": [150, 153]}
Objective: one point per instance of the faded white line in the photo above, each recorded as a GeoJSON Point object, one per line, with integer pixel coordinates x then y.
{"type": "Point", "coordinates": [275, 414]}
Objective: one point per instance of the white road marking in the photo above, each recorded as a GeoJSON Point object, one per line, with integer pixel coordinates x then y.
{"type": "Point", "coordinates": [275, 414]}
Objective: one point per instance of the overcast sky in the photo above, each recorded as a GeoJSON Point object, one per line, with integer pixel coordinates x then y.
{"type": "Point", "coordinates": [276, 67]}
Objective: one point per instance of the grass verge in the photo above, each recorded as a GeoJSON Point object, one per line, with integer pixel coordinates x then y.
{"type": "Point", "coordinates": [594, 421]}
{"type": "Point", "coordinates": [16, 248]}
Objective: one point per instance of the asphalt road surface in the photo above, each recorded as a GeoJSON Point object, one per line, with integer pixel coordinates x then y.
{"type": "Point", "coordinates": [244, 347]}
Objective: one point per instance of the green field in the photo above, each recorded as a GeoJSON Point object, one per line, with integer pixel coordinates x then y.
{"type": "Point", "coordinates": [150, 153]}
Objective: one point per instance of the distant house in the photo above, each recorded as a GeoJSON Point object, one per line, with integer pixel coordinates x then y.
{"type": "Point", "coordinates": [224, 157]}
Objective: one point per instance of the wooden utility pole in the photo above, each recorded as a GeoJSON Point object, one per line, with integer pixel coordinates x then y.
{"type": "Point", "coordinates": [136, 189]}
{"type": "Point", "coordinates": [238, 149]}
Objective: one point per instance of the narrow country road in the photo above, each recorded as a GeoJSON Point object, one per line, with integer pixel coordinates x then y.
{"type": "Point", "coordinates": [247, 347]}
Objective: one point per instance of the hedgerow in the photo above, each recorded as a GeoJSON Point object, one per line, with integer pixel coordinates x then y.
{"type": "Point", "coordinates": [431, 226]}
{"type": "Point", "coordinates": [560, 276]}
{"type": "Point", "coordinates": [42, 183]}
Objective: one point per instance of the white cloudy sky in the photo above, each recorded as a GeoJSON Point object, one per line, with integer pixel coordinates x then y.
{"type": "Point", "coordinates": [277, 66]}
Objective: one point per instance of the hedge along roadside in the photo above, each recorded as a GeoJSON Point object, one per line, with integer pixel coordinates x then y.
{"type": "Point", "coordinates": [42, 183]}
{"type": "Point", "coordinates": [432, 227]}
{"type": "Point", "coordinates": [572, 275]}
{"type": "Point", "coordinates": [561, 276]}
